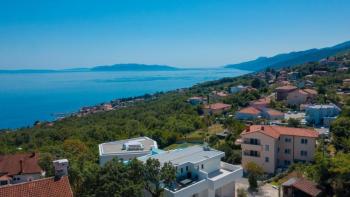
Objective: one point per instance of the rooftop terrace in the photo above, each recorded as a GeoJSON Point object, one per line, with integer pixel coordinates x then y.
{"type": "Point", "coordinates": [193, 154]}
{"type": "Point", "coordinates": [119, 147]}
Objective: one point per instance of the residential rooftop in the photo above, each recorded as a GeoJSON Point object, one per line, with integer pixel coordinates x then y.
{"type": "Point", "coordinates": [304, 185]}
{"type": "Point", "coordinates": [22, 163]}
{"type": "Point", "coordinates": [250, 110]}
{"type": "Point", "coordinates": [323, 106]}
{"type": "Point", "coordinates": [277, 131]}
{"type": "Point", "coordinates": [217, 106]}
{"type": "Point", "coordinates": [193, 154]}
{"type": "Point", "coordinates": [39, 188]}
{"type": "Point", "coordinates": [140, 144]}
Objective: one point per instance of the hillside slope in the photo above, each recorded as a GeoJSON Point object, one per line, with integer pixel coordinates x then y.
{"type": "Point", "coordinates": [290, 59]}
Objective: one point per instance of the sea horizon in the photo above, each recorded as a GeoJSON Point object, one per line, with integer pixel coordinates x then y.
{"type": "Point", "coordinates": [29, 97]}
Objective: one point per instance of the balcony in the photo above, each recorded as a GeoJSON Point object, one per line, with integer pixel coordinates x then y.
{"type": "Point", "coordinates": [186, 181]}
{"type": "Point", "coordinates": [251, 153]}
{"type": "Point", "coordinates": [251, 141]}
{"type": "Point", "coordinates": [227, 173]}
{"type": "Point", "coordinates": [187, 190]}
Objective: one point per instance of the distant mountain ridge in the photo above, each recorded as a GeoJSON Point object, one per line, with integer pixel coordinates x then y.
{"type": "Point", "coordinates": [107, 68]}
{"type": "Point", "coordinates": [292, 58]}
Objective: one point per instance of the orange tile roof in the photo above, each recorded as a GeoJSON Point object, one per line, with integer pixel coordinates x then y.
{"type": "Point", "coordinates": [310, 91]}
{"type": "Point", "coordinates": [24, 163]}
{"type": "Point", "coordinates": [274, 112]}
{"type": "Point", "coordinates": [217, 106]}
{"type": "Point", "coordinates": [196, 97]}
{"type": "Point", "coordinates": [307, 186]}
{"type": "Point", "coordinates": [250, 110]}
{"type": "Point", "coordinates": [48, 187]}
{"type": "Point", "coordinates": [276, 131]}
{"type": "Point", "coordinates": [222, 94]}
{"type": "Point", "coordinates": [262, 101]}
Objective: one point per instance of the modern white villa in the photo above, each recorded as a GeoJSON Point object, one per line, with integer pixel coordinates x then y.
{"type": "Point", "coordinates": [199, 172]}
{"type": "Point", "coordinates": [126, 149]}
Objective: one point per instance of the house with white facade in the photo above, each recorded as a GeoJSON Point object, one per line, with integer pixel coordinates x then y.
{"type": "Point", "coordinates": [126, 149]}
{"type": "Point", "coordinates": [236, 89]}
{"type": "Point", "coordinates": [199, 172]}
{"type": "Point", "coordinates": [321, 115]}
{"type": "Point", "coordinates": [196, 100]}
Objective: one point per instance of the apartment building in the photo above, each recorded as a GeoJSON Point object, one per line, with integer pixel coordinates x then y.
{"type": "Point", "coordinates": [274, 147]}
{"type": "Point", "coordinates": [199, 172]}
{"type": "Point", "coordinates": [283, 91]}
{"type": "Point", "coordinates": [321, 115]}
{"type": "Point", "coordinates": [126, 149]}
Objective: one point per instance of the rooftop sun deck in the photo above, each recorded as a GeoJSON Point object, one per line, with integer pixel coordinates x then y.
{"type": "Point", "coordinates": [192, 154]}
{"type": "Point", "coordinates": [110, 148]}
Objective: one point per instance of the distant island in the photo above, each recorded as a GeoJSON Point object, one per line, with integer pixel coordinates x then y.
{"type": "Point", "coordinates": [277, 61]}
{"type": "Point", "coordinates": [106, 68]}
{"type": "Point", "coordinates": [292, 58]}
{"type": "Point", "coordinates": [133, 67]}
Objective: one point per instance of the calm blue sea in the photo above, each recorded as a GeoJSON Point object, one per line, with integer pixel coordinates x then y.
{"type": "Point", "coordinates": [25, 98]}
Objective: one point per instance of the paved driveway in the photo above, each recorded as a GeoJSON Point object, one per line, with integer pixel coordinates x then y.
{"type": "Point", "coordinates": [264, 191]}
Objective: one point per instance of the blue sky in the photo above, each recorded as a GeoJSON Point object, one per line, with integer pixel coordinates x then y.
{"type": "Point", "coordinates": [184, 33]}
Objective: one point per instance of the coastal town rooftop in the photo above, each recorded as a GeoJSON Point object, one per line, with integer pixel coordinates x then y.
{"type": "Point", "coordinates": [52, 187]}
{"type": "Point", "coordinates": [193, 154]}
{"type": "Point", "coordinates": [276, 131]}
{"type": "Point", "coordinates": [216, 106]}
{"type": "Point", "coordinates": [139, 144]}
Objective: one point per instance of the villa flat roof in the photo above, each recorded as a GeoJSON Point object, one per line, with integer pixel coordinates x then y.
{"type": "Point", "coordinates": [193, 154]}
{"type": "Point", "coordinates": [116, 147]}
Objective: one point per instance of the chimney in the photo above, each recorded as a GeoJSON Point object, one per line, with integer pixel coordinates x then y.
{"type": "Point", "coordinates": [21, 166]}
{"type": "Point", "coordinates": [248, 129]}
{"type": "Point", "coordinates": [262, 128]}
{"type": "Point", "coordinates": [61, 168]}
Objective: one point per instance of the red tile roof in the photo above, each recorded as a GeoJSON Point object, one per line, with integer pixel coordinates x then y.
{"type": "Point", "coordinates": [48, 187]}
{"type": "Point", "coordinates": [261, 102]}
{"type": "Point", "coordinates": [277, 131]}
{"type": "Point", "coordinates": [217, 106]}
{"type": "Point", "coordinates": [304, 185]}
{"type": "Point", "coordinates": [310, 91]}
{"type": "Point", "coordinates": [250, 110]}
{"type": "Point", "coordinates": [273, 112]}
{"type": "Point", "coordinates": [24, 163]}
